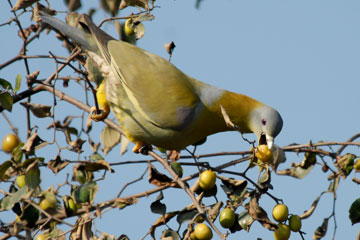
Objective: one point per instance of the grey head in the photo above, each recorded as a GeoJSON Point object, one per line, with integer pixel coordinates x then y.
{"type": "Point", "coordinates": [266, 123]}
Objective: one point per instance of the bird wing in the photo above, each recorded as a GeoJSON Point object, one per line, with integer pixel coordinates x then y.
{"type": "Point", "coordinates": [158, 90]}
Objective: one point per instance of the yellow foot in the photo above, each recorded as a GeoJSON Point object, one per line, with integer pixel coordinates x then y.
{"type": "Point", "coordinates": [173, 155]}
{"type": "Point", "coordinates": [142, 148]}
{"type": "Point", "coordinates": [100, 115]}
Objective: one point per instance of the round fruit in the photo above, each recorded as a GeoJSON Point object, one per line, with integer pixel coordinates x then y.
{"type": "Point", "coordinates": [280, 212]}
{"type": "Point", "coordinates": [227, 218]}
{"type": "Point", "coordinates": [263, 153]}
{"type": "Point", "coordinates": [9, 142]}
{"type": "Point", "coordinates": [20, 181]}
{"type": "Point", "coordinates": [129, 31]}
{"type": "Point", "coordinates": [47, 204]}
{"type": "Point", "coordinates": [282, 233]}
{"type": "Point", "coordinates": [72, 206]}
{"type": "Point", "coordinates": [207, 179]}
{"type": "Point", "coordinates": [192, 236]}
{"type": "Point", "coordinates": [295, 223]}
{"type": "Point", "coordinates": [42, 236]}
{"type": "Point", "coordinates": [203, 232]}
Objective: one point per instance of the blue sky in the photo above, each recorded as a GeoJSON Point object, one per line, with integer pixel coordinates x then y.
{"type": "Point", "coordinates": [301, 57]}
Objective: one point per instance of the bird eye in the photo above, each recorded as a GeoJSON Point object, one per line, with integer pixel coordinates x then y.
{"type": "Point", "coordinates": [263, 121]}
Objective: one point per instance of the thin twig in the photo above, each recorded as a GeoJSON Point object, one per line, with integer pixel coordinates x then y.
{"type": "Point", "coordinates": [132, 182]}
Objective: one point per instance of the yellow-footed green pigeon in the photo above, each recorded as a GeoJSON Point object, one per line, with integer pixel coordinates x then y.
{"type": "Point", "coordinates": [157, 104]}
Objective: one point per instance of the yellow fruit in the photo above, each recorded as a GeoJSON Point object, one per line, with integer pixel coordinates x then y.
{"type": "Point", "coordinates": [20, 181]}
{"type": "Point", "coordinates": [72, 206]}
{"type": "Point", "coordinates": [42, 236]}
{"type": "Point", "coordinates": [227, 218]}
{"type": "Point", "coordinates": [295, 223]}
{"type": "Point", "coordinates": [282, 233]}
{"type": "Point", "coordinates": [357, 165]}
{"type": "Point", "coordinates": [263, 153]}
{"type": "Point", "coordinates": [46, 204]}
{"type": "Point", "coordinates": [9, 142]}
{"type": "Point", "coordinates": [207, 179]}
{"type": "Point", "coordinates": [280, 212]}
{"type": "Point", "coordinates": [128, 27]}
{"type": "Point", "coordinates": [203, 232]}
{"type": "Point", "coordinates": [192, 236]}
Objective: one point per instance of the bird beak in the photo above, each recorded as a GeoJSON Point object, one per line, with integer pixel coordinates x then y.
{"type": "Point", "coordinates": [269, 141]}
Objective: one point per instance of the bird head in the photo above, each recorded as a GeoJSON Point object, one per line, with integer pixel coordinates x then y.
{"type": "Point", "coordinates": [266, 123]}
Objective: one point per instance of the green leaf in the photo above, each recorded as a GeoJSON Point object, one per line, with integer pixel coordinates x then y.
{"type": "Point", "coordinates": [86, 193]}
{"type": "Point", "coordinates": [98, 165]}
{"type": "Point", "coordinates": [73, 5]}
{"type": "Point", "coordinates": [111, 6]}
{"type": "Point", "coordinates": [265, 179]}
{"type": "Point", "coordinates": [245, 220]}
{"type": "Point", "coordinates": [30, 216]}
{"type": "Point", "coordinates": [346, 163]}
{"type": "Point", "coordinates": [186, 215]}
{"type": "Point", "coordinates": [207, 193]}
{"type": "Point", "coordinates": [214, 210]}
{"type": "Point", "coordinates": [96, 157]}
{"type": "Point", "coordinates": [169, 234]}
{"type": "Point", "coordinates": [176, 166]}
{"type": "Point", "coordinates": [139, 30]}
{"type": "Point", "coordinates": [310, 211]}
{"type": "Point", "coordinates": [122, 203]}
{"type": "Point", "coordinates": [320, 232]}
{"type": "Point", "coordinates": [5, 84]}
{"type": "Point", "coordinates": [157, 206]}
{"type": "Point", "coordinates": [29, 161]}
{"type": "Point", "coordinates": [109, 138]}
{"type": "Point", "coordinates": [8, 202]}
{"type": "Point", "coordinates": [34, 142]}
{"type": "Point", "coordinates": [32, 175]}
{"type": "Point", "coordinates": [334, 185]}
{"type": "Point", "coordinates": [17, 83]}
{"type": "Point", "coordinates": [6, 101]}
{"type": "Point", "coordinates": [39, 110]}
{"type": "Point", "coordinates": [17, 153]}
{"type": "Point", "coordinates": [57, 164]}
{"type": "Point", "coordinates": [354, 211]}
{"type": "Point", "coordinates": [301, 170]}
{"type": "Point", "coordinates": [3, 168]}
{"type": "Point", "coordinates": [278, 157]}
{"type": "Point", "coordinates": [234, 189]}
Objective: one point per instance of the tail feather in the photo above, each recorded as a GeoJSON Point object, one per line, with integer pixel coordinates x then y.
{"type": "Point", "coordinates": [85, 40]}
{"type": "Point", "coordinates": [101, 38]}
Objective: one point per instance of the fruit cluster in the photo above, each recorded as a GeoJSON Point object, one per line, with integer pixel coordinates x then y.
{"type": "Point", "coordinates": [280, 214]}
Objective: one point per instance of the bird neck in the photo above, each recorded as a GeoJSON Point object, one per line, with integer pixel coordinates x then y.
{"type": "Point", "coordinates": [238, 107]}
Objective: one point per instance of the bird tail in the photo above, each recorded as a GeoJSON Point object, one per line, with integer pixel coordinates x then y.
{"type": "Point", "coordinates": [91, 38]}
{"type": "Point", "coordinates": [83, 39]}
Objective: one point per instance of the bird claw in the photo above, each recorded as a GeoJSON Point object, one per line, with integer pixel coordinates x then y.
{"type": "Point", "coordinates": [98, 115]}
{"type": "Point", "coordinates": [142, 148]}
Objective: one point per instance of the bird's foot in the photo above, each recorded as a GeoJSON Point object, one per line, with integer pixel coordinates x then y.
{"type": "Point", "coordinates": [142, 148]}
{"type": "Point", "coordinates": [173, 155]}
{"type": "Point", "coordinates": [99, 115]}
